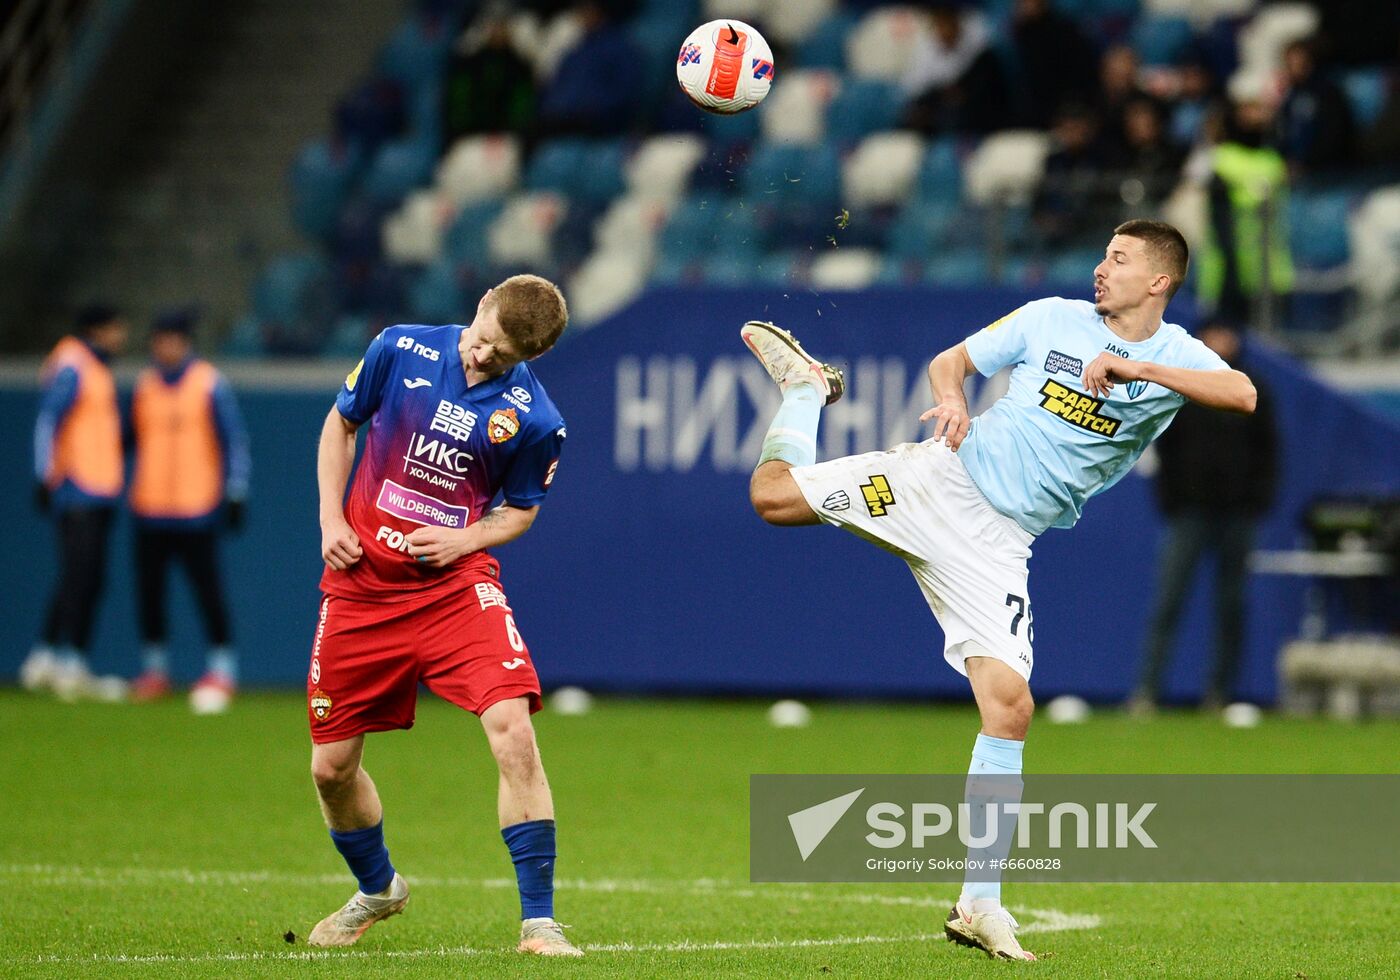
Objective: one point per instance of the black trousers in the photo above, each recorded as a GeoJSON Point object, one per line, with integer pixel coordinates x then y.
{"type": "Point", "coordinates": [198, 551]}
{"type": "Point", "coordinates": [82, 572]}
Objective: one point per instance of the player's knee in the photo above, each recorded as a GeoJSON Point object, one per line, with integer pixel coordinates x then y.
{"type": "Point", "coordinates": [1013, 715]}
{"type": "Point", "coordinates": [771, 497]}
{"type": "Point", "coordinates": [513, 740]}
{"type": "Point", "coordinates": [332, 775]}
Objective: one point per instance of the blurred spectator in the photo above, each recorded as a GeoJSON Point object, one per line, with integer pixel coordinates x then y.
{"type": "Point", "coordinates": [189, 483]}
{"type": "Point", "coordinates": [1196, 98]}
{"type": "Point", "coordinates": [1057, 61]}
{"type": "Point", "coordinates": [1217, 476]}
{"type": "Point", "coordinates": [1148, 163]}
{"type": "Point", "coordinates": [1245, 260]}
{"type": "Point", "coordinates": [489, 87]}
{"type": "Point", "coordinates": [1315, 122]}
{"type": "Point", "coordinates": [594, 92]}
{"type": "Point", "coordinates": [1073, 189]}
{"type": "Point", "coordinates": [1118, 86]}
{"type": "Point", "coordinates": [78, 474]}
{"type": "Point", "coordinates": [955, 82]}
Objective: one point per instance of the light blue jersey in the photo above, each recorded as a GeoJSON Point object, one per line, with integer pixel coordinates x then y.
{"type": "Point", "coordinates": [1046, 447]}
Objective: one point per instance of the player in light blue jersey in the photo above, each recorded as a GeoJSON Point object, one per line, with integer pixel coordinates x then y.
{"type": "Point", "coordinates": [1091, 386]}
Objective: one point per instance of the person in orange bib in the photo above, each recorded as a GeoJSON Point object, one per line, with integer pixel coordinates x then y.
{"type": "Point", "coordinates": [189, 484]}
{"type": "Point", "coordinates": [78, 478]}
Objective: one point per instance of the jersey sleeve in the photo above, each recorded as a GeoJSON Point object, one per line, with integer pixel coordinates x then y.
{"type": "Point", "coordinates": [58, 397]}
{"type": "Point", "coordinates": [532, 470]}
{"type": "Point", "coordinates": [1198, 357]}
{"type": "Point", "coordinates": [999, 344]}
{"type": "Point", "coordinates": [363, 390]}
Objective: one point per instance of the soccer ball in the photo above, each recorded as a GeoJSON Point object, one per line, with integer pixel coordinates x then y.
{"type": "Point", "coordinates": [725, 66]}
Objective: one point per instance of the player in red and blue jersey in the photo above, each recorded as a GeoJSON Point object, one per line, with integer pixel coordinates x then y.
{"type": "Point", "coordinates": [456, 419]}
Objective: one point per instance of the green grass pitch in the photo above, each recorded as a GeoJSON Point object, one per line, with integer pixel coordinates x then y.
{"type": "Point", "coordinates": [142, 841]}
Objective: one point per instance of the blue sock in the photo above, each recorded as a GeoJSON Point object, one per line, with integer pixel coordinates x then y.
{"type": "Point", "coordinates": [532, 849]}
{"type": "Point", "coordinates": [223, 662]}
{"type": "Point", "coordinates": [792, 436]}
{"type": "Point", "coordinates": [993, 777]}
{"type": "Point", "coordinates": [154, 659]}
{"type": "Point", "coordinates": [367, 857]}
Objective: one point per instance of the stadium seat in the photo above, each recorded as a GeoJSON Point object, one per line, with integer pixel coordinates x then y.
{"type": "Point", "coordinates": [1317, 225]}
{"type": "Point", "coordinates": [662, 165]}
{"type": "Point", "coordinates": [244, 338]}
{"type": "Point", "coordinates": [632, 224]}
{"type": "Point", "coordinates": [795, 112]}
{"type": "Point", "coordinates": [480, 167]}
{"type": "Point", "coordinates": [349, 336]}
{"type": "Point", "coordinates": [940, 176]}
{"type": "Point", "coordinates": [417, 51]}
{"type": "Point", "coordinates": [962, 267]}
{"type": "Point", "coordinates": [291, 288]}
{"type": "Point", "coordinates": [702, 225]}
{"type": "Point", "coordinates": [1072, 271]}
{"type": "Point", "coordinates": [883, 170]}
{"type": "Point", "coordinates": [604, 284]}
{"type": "Point", "coordinates": [846, 268]}
{"type": "Point", "coordinates": [321, 179]}
{"type": "Point", "coordinates": [1007, 166]}
{"type": "Point", "coordinates": [524, 231]}
{"type": "Point", "coordinates": [825, 47]}
{"type": "Point", "coordinates": [553, 40]}
{"type": "Point", "coordinates": [1366, 90]}
{"type": "Point", "coordinates": [588, 169]}
{"type": "Point", "coordinates": [1262, 40]}
{"type": "Point", "coordinates": [436, 294]}
{"type": "Point", "coordinates": [922, 229]}
{"type": "Point", "coordinates": [863, 106]}
{"type": "Point", "coordinates": [1375, 244]}
{"type": "Point", "coordinates": [604, 171]}
{"type": "Point", "coordinates": [413, 234]}
{"type": "Point", "coordinates": [1162, 40]}
{"type": "Point", "coordinates": [399, 166]}
{"type": "Point", "coordinates": [790, 24]}
{"type": "Point", "coordinates": [465, 240]}
{"type": "Point", "coordinates": [782, 175]}
{"type": "Point", "coordinates": [883, 42]}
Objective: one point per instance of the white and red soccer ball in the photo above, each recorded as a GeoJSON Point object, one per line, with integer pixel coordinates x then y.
{"type": "Point", "coordinates": [725, 66]}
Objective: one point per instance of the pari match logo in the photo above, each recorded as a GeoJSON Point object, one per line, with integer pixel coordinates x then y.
{"type": "Point", "coordinates": [1078, 410]}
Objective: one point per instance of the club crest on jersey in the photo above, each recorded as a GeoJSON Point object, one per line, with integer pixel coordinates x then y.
{"type": "Point", "coordinates": [1078, 410]}
{"type": "Point", "coordinates": [320, 705]}
{"type": "Point", "coordinates": [1136, 388]}
{"type": "Point", "coordinates": [879, 497]}
{"type": "Point", "coordinates": [502, 425]}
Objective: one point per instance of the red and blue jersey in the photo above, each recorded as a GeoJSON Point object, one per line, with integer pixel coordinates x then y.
{"type": "Point", "coordinates": [437, 453]}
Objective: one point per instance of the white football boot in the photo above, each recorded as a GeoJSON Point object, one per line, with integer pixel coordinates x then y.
{"type": "Point", "coordinates": [545, 937]}
{"type": "Point", "coordinates": [38, 670]}
{"type": "Point", "coordinates": [787, 363]}
{"type": "Point", "coordinates": [993, 932]}
{"type": "Point", "coordinates": [347, 924]}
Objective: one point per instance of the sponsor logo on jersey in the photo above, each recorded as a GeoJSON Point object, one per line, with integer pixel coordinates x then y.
{"type": "Point", "coordinates": [1056, 362]}
{"type": "Point", "coordinates": [320, 705]}
{"type": "Point", "coordinates": [454, 420]}
{"type": "Point", "coordinates": [489, 594]}
{"type": "Point", "coordinates": [436, 461]}
{"type": "Point", "coordinates": [502, 425]}
{"type": "Point", "coordinates": [1078, 410]}
{"type": "Point", "coordinates": [879, 498]}
{"type": "Point", "coordinates": [410, 505]}
{"type": "Point", "coordinates": [840, 500]}
{"type": "Point", "coordinates": [518, 397]}
{"type": "Point", "coordinates": [422, 350]}
{"type": "Point", "coordinates": [315, 670]}
{"type": "Point", "coordinates": [393, 539]}
{"type": "Point", "coordinates": [1115, 349]}
{"type": "Point", "coordinates": [417, 383]}
{"type": "Point", "coordinates": [512, 664]}
{"type": "Point", "coordinates": [354, 375]}
{"type": "Point", "coordinates": [549, 473]}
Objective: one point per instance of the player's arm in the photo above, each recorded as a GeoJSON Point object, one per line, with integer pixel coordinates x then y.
{"type": "Point", "coordinates": [335, 456]}
{"type": "Point", "coordinates": [946, 375]}
{"type": "Point", "coordinates": [1225, 389]}
{"type": "Point", "coordinates": [438, 546]}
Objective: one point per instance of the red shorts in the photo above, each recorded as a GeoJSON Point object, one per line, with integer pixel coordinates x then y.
{"type": "Point", "coordinates": [369, 657]}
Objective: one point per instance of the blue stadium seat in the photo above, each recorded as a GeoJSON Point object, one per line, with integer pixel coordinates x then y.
{"type": "Point", "coordinates": [741, 127]}
{"type": "Point", "coordinates": [778, 176]}
{"type": "Point", "coordinates": [588, 169]}
{"type": "Point", "coordinates": [465, 241]}
{"type": "Point", "coordinates": [436, 295]}
{"type": "Point", "coordinates": [921, 229]}
{"type": "Point", "coordinates": [703, 226]}
{"type": "Point", "coordinates": [245, 339]}
{"type": "Point", "coordinates": [940, 177]}
{"type": "Point", "coordinates": [1318, 228]}
{"type": "Point", "coordinates": [1072, 271]}
{"type": "Point", "coordinates": [673, 270]}
{"type": "Point", "coordinates": [291, 287]}
{"type": "Point", "coordinates": [555, 165]}
{"type": "Point", "coordinates": [863, 107]}
{"type": "Point", "coordinates": [398, 167]}
{"type": "Point", "coordinates": [825, 47]}
{"type": "Point", "coordinates": [321, 179]}
{"type": "Point", "coordinates": [603, 176]}
{"type": "Point", "coordinates": [417, 50]}
{"type": "Point", "coordinates": [963, 267]}
{"type": "Point", "coordinates": [349, 336]}
{"type": "Point", "coordinates": [1366, 90]}
{"type": "Point", "coordinates": [1162, 40]}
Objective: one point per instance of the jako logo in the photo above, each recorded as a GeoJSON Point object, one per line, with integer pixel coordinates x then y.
{"type": "Point", "coordinates": [810, 826]}
{"type": "Point", "coordinates": [408, 343]}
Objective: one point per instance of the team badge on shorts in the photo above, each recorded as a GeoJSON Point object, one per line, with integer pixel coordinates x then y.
{"type": "Point", "coordinates": [840, 500]}
{"type": "Point", "coordinates": [502, 425]}
{"type": "Point", "coordinates": [320, 705]}
{"type": "Point", "coordinates": [879, 498]}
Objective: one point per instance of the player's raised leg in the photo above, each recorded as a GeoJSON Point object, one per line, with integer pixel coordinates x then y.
{"type": "Point", "coordinates": [355, 817]}
{"type": "Point", "coordinates": [526, 812]}
{"type": "Point", "coordinates": [807, 385]}
{"type": "Point", "coordinates": [994, 778]}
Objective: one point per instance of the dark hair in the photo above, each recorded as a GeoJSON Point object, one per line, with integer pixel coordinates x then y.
{"type": "Point", "coordinates": [1166, 248]}
{"type": "Point", "coordinates": [531, 311]}
{"type": "Point", "coordinates": [95, 315]}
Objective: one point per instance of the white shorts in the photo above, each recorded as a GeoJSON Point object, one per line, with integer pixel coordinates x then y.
{"type": "Point", "coordinates": [917, 501]}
